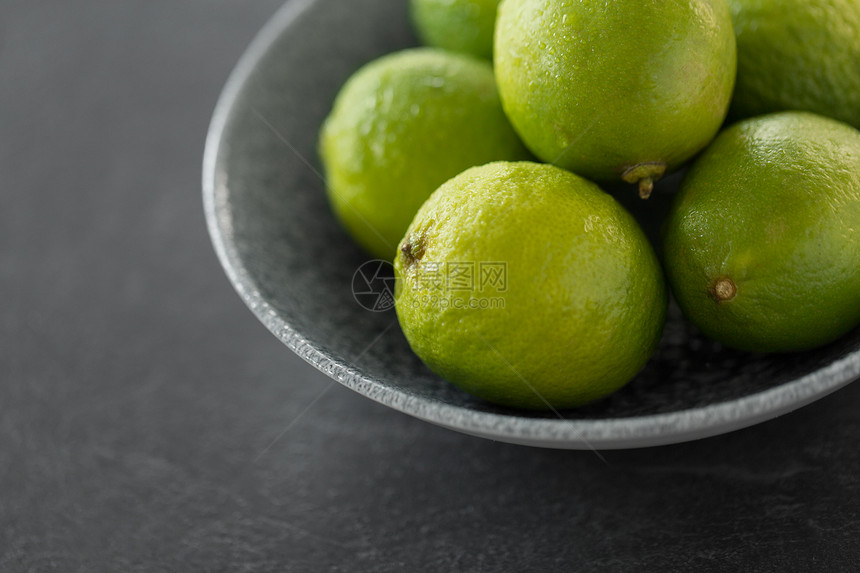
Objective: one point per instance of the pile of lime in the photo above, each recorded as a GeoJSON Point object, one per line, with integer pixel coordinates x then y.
{"type": "Point", "coordinates": [473, 165]}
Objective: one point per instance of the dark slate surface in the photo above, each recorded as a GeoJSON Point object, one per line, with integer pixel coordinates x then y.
{"type": "Point", "coordinates": [149, 423]}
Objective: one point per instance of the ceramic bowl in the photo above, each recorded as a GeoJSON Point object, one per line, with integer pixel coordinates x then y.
{"type": "Point", "coordinates": [299, 272]}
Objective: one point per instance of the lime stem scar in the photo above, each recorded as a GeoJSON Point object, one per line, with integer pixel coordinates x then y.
{"type": "Point", "coordinates": [724, 289]}
{"type": "Point", "coordinates": [646, 186]}
{"type": "Point", "coordinates": [645, 174]}
{"type": "Point", "coordinates": [413, 249]}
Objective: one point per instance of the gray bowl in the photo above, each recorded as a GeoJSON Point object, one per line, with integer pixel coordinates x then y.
{"type": "Point", "coordinates": [294, 267]}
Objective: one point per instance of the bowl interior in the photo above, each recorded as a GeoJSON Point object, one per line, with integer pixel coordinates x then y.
{"type": "Point", "coordinates": [294, 266]}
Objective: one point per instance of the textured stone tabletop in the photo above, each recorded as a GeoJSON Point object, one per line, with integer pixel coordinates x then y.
{"type": "Point", "coordinates": [148, 422]}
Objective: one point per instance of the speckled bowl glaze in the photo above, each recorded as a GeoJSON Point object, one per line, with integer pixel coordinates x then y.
{"type": "Point", "coordinates": [293, 266]}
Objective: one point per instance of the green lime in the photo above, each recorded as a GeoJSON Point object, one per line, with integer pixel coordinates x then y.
{"type": "Point", "coordinates": [611, 90]}
{"type": "Point", "coordinates": [402, 126]}
{"type": "Point", "coordinates": [762, 245]}
{"type": "Point", "coordinates": [458, 25]}
{"type": "Point", "coordinates": [527, 286]}
{"type": "Point", "coordinates": [798, 55]}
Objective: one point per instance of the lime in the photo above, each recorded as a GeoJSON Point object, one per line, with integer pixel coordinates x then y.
{"type": "Point", "coordinates": [458, 25]}
{"type": "Point", "coordinates": [613, 90]}
{"type": "Point", "coordinates": [402, 126]}
{"type": "Point", "coordinates": [798, 55]}
{"type": "Point", "coordinates": [762, 246]}
{"type": "Point", "coordinates": [527, 286]}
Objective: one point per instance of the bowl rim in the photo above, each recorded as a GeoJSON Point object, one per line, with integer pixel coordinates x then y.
{"type": "Point", "coordinates": [610, 433]}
